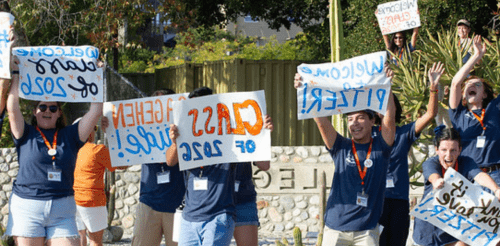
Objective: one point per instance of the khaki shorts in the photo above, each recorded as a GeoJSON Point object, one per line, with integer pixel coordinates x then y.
{"type": "Point", "coordinates": [151, 225]}
{"type": "Point", "coordinates": [333, 237]}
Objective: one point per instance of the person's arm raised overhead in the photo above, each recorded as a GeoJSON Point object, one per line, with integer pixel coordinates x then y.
{"type": "Point", "coordinates": [389, 120]}
{"type": "Point", "coordinates": [456, 83]}
{"type": "Point", "coordinates": [435, 73]}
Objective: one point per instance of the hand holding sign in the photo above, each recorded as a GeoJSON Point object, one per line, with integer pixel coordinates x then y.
{"type": "Point", "coordinates": [6, 38]}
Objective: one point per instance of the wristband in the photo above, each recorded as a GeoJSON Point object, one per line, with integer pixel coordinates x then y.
{"type": "Point", "coordinates": [15, 72]}
{"type": "Point", "coordinates": [434, 91]}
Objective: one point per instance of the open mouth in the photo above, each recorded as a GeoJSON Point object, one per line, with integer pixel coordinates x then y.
{"type": "Point", "coordinates": [448, 162]}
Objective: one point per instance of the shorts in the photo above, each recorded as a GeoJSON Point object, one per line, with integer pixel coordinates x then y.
{"type": "Point", "coordinates": [246, 214]}
{"type": "Point", "coordinates": [333, 237]}
{"type": "Point", "coordinates": [42, 218]}
{"type": "Point", "coordinates": [93, 219]}
{"type": "Point", "coordinates": [217, 231]}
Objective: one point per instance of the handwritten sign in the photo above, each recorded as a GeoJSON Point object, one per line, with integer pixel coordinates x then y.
{"type": "Point", "coordinates": [350, 85]}
{"type": "Point", "coordinates": [222, 128]}
{"type": "Point", "coordinates": [60, 73]}
{"type": "Point", "coordinates": [397, 16]}
{"type": "Point", "coordinates": [463, 210]}
{"type": "Point", "coordinates": [138, 129]}
{"type": "Point", "coordinates": [6, 20]}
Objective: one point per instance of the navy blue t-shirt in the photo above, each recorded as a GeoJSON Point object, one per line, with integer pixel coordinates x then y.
{"type": "Point", "coordinates": [398, 166]}
{"type": "Point", "coordinates": [164, 197]}
{"type": "Point", "coordinates": [34, 163]}
{"type": "Point", "coordinates": [424, 233]}
{"type": "Point", "coordinates": [470, 128]}
{"type": "Point", "coordinates": [218, 198]}
{"type": "Point", "coordinates": [342, 212]}
{"type": "Point", "coordinates": [246, 189]}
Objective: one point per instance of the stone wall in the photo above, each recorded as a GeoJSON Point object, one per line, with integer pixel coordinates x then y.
{"type": "Point", "coordinates": [288, 193]}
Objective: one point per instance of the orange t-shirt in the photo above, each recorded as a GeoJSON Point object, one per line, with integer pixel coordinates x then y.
{"type": "Point", "coordinates": [92, 161]}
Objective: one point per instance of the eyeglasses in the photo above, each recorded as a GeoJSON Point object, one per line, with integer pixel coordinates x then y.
{"type": "Point", "coordinates": [52, 108]}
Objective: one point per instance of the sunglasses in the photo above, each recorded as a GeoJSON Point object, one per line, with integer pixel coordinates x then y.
{"type": "Point", "coordinates": [398, 37]}
{"type": "Point", "coordinates": [52, 108]}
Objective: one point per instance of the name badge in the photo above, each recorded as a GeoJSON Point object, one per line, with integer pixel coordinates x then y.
{"type": "Point", "coordinates": [236, 186]}
{"type": "Point", "coordinates": [163, 177]}
{"type": "Point", "coordinates": [481, 140]}
{"type": "Point", "coordinates": [362, 200]}
{"type": "Point", "coordinates": [200, 183]}
{"type": "Point", "coordinates": [54, 175]}
{"type": "Point", "coordinates": [389, 182]}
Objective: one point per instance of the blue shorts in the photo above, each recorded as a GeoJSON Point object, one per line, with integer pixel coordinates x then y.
{"type": "Point", "coordinates": [42, 218]}
{"type": "Point", "coordinates": [217, 231]}
{"type": "Point", "coordinates": [246, 214]}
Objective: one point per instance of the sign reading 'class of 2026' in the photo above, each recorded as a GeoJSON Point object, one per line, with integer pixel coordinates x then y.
{"type": "Point", "coordinates": [60, 73]}
{"type": "Point", "coordinates": [222, 128]}
{"type": "Point", "coordinates": [138, 130]}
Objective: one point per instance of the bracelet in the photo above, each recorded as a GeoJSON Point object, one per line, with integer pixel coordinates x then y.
{"type": "Point", "coordinates": [434, 91]}
{"type": "Point", "coordinates": [15, 72]}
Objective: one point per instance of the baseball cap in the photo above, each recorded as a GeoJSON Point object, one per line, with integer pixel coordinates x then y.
{"type": "Point", "coordinates": [463, 22]}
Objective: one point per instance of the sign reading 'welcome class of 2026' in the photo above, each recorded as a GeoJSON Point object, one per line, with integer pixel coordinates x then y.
{"type": "Point", "coordinates": [60, 73]}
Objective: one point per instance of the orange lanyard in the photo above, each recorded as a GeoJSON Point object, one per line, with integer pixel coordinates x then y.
{"type": "Point", "coordinates": [401, 52]}
{"type": "Point", "coordinates": [362, 173]}
{"type": "Point", "coordinates": [52, 149]}
{"type": "Point", "coordinates": [480, 119]}
{"type": "Point", "coordinates": [456, 168]}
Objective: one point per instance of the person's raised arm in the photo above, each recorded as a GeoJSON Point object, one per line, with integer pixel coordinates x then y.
{"type": "Point", "coordinates": [171, 155]}
{"type": "Point", "coordinates": [387, 42]}
{"type": "Point", "coordinates": [485, 180]}
{"type": "Point", "coordinates": [5, 83]}
{"type": "Point", "coordinates": [414, 37]}
{"type": "Point", "coordinates": [389, 120]}
{"type": "Point", "coordinates": [435, 73]}
{"type": "Point", "coordinates": [436, 180]}
{"type": "Point", "coordinates": [89, 121]}
{"type": "Point", "coordinates": [328, 132]}
{"type": "Point", "coordinates": [16, 119]}
{"type": "Point", "coordinates": [456, 83]}
{"type": "Point", "coordinates": [268, 124]}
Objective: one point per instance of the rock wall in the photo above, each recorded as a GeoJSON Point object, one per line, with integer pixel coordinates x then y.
{"type": "Point", "coordinates": [288, 193]}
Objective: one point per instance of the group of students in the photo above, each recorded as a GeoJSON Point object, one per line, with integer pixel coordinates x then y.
{"type": "Point", "coordinates": [373, 164]}
{"type": "Point", "coordinates": [370, 188]}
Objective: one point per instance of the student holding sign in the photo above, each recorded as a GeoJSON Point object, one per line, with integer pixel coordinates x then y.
{"type": "Point", "coordinates": [209, 215]}
{"type": "Point", "coordinates": [395, 217]}
{"type": "Point", "coordinates": [475, 113]}
{"type": "Point", "coordinates": [399, 46]}
{"type": "Point", "coordinates": [42, 207]}
{"type": "Point", "coordinates": [162, 191]}
{"type": "Point", "coordinates": [356, 198]}
{"type": "Point", "coordinates": [448, 148]}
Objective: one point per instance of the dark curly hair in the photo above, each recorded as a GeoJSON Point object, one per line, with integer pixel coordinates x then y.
{"type": "Point", "coordinates": [444, 133]}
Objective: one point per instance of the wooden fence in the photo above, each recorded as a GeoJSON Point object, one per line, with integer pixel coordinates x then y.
{"type": "Point", "coordinates": [274, 77]}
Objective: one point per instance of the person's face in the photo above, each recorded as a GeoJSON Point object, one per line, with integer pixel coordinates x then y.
{"type": "Point", "coordinates": [463, 31]}
{"type": "Point", "coordinates": [398, 39]}
{"type": "Point", "coordinates": [474, 92]}
{"type": "Point", "coordinates": [46, 114]}
{"type": "Point", "coordinates": [448, 152]}
{"type": "Point", "coordinates": [360, 126]}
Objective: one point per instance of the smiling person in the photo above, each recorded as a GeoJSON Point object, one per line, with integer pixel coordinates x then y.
{"type": "Point", "coordinates": [463, 30]}
{"type": "Point", "coordinates": [475, 113]}
{"type": "Point", "coordinates": [448, 148]}
{"type": "Point", "coordinates": [399, 45]}
{"type": "Point", "coordinates": [42, 206]}
{"type": "Point", "coordinates": [356, 198]}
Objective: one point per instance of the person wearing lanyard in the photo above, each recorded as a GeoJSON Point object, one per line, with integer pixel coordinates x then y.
{"type": "Point", "coordinates": [475, 113]}
{"type": "Point", "coordinates": [396, 214]}
{"type": "Point", "coordinates": [356, 198]}
{"type": "Point", "coordinates": [448, 146]}
{"type": "Point", "coordinates": [162, 190]}
{"type": "Point", "coordinates": [399, 45]}
{"type": "Point", "coordinates": [42, 207]}
{"type": "Point", "coordinates": [208, 215]}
